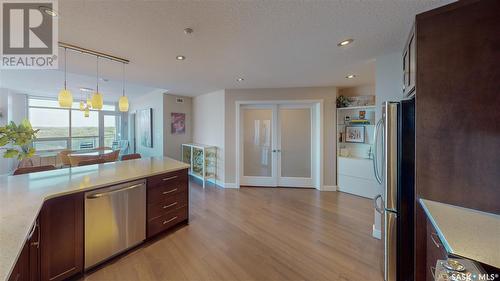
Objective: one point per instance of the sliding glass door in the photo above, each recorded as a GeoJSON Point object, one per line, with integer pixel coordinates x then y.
{"type": "Point", "coordinates": [276, 145]}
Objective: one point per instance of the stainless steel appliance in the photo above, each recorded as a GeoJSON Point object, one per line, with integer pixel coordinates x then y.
{"type": "Point", "coordinates": [395, 135]}
{"type": "Point", "coordinates": [115, 220]}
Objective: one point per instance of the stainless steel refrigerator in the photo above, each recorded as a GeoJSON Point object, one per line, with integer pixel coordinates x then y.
{"type": "Point", "coordinates": [394, 167]}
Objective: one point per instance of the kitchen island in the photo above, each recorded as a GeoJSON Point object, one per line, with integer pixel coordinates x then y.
{"type": "Point", "coordinates": [22, 198]}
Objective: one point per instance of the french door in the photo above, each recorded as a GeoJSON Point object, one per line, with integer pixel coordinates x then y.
{"type": "Point", "coordinates": [276, 145]}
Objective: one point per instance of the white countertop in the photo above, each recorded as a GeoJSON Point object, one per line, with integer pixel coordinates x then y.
{"type": "Point", "coordinates": [21, 197]}
{"type": "Point", "coordinates": [465, 232]}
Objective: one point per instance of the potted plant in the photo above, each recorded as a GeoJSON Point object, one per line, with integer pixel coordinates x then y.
{"type": "Point", "coordinates": [16, 140]}
{"type": "Point", "coordinates": [342, 101]}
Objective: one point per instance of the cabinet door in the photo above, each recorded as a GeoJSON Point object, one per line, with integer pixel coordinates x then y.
{"type": "Point", "coordinates": [21, 268]}
{"type": "Point", "coordinates": [406, 70]}
{"type": "Point", "coordinates": [34, 252]}
{"type": "Point", "coordinates": [61, 244]}
{"type": "Point", "coordinates": [412, 64]}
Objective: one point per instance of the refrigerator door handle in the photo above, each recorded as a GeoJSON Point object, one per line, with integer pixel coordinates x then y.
{"type": "Point", "coordinates": [391, 155]}
{"type": "Point", "coordinates": [378, 176]}
{"type": "Point", "coordinates": [390, 252]}
{"type": "Point", "coordinates": [379, 208]}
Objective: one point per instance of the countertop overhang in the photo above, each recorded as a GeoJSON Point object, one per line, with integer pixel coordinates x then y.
{"type": "Point", "coordinates": [22, 196]}
{"type": "Point", "coordinates": [466, 233]}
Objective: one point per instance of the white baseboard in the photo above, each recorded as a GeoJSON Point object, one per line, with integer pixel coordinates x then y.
{"type": "Point", "coordinates": [329, 188]}
{"type": "Point", "coordinates": [230, 185]}
{"type": "Point", "coordinates": [376, 232]}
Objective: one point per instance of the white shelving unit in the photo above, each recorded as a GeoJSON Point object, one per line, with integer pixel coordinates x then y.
{"type": "Point", "coordinates": [354, 163]}
{"type": "Point", "coordinates": [202, 160]}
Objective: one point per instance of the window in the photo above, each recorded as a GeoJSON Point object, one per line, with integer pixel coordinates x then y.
{"type": "Point", "coordinates": [62, 128]}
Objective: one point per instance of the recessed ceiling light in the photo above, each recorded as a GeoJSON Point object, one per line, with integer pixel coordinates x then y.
{"type": "Point", "coordinates": [345, 42]}
{"type": "Point", "coordinates": [350, 76]}
{"type": "Point", "coordinates": [240, 79]}
{"type": "Point", "coordinates": [48, 11]}
{"type": "Point", "coordinates": [88, 90]}
{"type": "Point", "coordinates": [180, 57]}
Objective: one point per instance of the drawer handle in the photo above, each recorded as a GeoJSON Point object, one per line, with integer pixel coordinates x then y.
{"type": "Point", "coordinates": [170, 220]}
{"type": "Point", "coordinates": [169, 178]}
{"type": "Point", "coordinates": [170, 191]}
{"type": "Point", "coordinates": [168, 206]}
{"type": "Point", "coordinates": [434, 240]}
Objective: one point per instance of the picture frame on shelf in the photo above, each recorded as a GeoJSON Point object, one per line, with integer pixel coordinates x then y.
{"type": "Point", "coordinates": [355, 134]}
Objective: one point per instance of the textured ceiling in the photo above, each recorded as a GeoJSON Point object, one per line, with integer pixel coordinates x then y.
{"type": "Point", "coordinates": [269, 43]}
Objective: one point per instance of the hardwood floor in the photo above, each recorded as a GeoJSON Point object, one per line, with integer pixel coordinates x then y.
{"type": "Point", "coordinates": [261, 234]}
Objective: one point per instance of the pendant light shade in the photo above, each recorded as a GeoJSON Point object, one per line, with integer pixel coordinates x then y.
{"type": "Point", "coordinates": [123, 101]}
{"type": "Point", "coordinates": [65, 98]}
{"type": "Point", "coordinates": [123, 104]}
{"type": "Point", "coordinates": [86, 113]}
{"type": "Point", "coordinates": [82, 106]}
{"type": "Point", "coordinates": [96, 99]}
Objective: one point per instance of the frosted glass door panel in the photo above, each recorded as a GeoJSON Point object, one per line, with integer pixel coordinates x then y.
{"type": "Point", "coordinates": [295, 130]}
{"type": "Point", "coordinates": [257, 142]}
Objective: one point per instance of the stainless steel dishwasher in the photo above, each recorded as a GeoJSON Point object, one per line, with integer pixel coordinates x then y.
{"type": "Point", "coordinates": [115, 220]}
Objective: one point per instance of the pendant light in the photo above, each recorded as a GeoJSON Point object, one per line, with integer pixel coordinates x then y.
{"type": "Point", "coordinates": [86, 113]}
{"type": "Point", "coordinates": [65, 98]}
{"type": "Point", "coordinates": [97, 97]}
{"type": "Point", "coordinates": [123, 101]}
{"type": "Point", "coordinates": [82, 104]}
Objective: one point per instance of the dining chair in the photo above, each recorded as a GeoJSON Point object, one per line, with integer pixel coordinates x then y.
{"type": "Point", "coordinates": [91, 162]}
{"type": "Point", "coordinates": [63, 155]}
{"type": "Point", "coordinates": [75, 159]}
{"type": "Point", "coordinates": [131, 156]}
{"type": "Point", "coordinates": [27, 170]}
{"type": "Point", "coordinates": [111, 157]}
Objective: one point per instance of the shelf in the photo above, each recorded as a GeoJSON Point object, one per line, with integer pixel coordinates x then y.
{"type": "Point", "coordinates": [357, 107]}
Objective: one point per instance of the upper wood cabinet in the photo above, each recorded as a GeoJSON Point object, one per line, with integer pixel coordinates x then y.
{"type": "Point", "coordinates": [409, 64]}
{"type": "Point", "coordinates": [61, 225]}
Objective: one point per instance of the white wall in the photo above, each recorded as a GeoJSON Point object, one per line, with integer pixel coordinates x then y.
{"type": "Point", "coordinates": [172, 143]}
{"type": "Point", "coordinates": [152, 100]}
{"type": "Point", "coordinates": [388, 87]}
{"type": "Point", "coordinates": [208, 124]}
{"type": "Point", "coordinates": [327, 94]}
{"type": "Point", "coordinates": [13, 108]}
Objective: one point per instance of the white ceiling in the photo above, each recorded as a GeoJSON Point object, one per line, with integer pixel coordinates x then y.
{"type": "Point", "coordinates": [269, 43]}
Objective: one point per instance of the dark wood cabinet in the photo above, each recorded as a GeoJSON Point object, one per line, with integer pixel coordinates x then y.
{"type": "Point", "coordinates": [21, 268]}
{"type": "Point", "coordinates": [27, 265]}
{"type": "Point", "coordinates": [54, 248]}
{"type": "Point", "coordinates": [61, 240]}
{"type": "Point", "coordinates": [167, 201]}
{"type": "Point", "coordinates": [409, 64]}
{"type": "Point", "coordinates": [435, 251]}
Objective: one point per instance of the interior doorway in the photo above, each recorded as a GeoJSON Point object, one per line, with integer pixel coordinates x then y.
{"type": "Point", "coordinates": [279, 144]}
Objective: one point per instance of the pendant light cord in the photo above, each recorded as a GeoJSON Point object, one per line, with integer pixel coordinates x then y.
{"type": "Point", "coordinates": [123, 79]}
{"type": "Point", "coordinates": [65, 59]}
{"type": "Point", "coordinates": [97, 64]}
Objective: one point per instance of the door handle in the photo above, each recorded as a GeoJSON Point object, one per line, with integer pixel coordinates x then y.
{"type": "Point", "coordinates": [170, 191]}
{"type": "Point", "coordinates": [170, 205]}
{"type": "Point", "coordinates": [98, 195]}
{"type": "Point", "coordinates": [170, 220]}
{"type": "Point", "coordinates": [379, 210]}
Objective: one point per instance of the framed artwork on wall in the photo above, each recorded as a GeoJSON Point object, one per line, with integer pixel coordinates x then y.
{"type": "Point", "coordinates": [178, 123]}
{"type": "Point", "coordinates": [355, 134]}
{"type": "Point", "coordinates": [145, 122]}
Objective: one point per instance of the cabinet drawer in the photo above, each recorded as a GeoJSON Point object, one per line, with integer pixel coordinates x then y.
{"type": "Point", "coordinates": [164, 222]}
{"type": "Point", "coordinates": [158, 193]}
{"type": "Point", "coordinates": [167, 179]}
{"type": "Point", "coordinates": [169, 204]}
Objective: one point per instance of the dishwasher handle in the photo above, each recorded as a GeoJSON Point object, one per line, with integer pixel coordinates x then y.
{"type": "Point", "coordinates": [99, 195]}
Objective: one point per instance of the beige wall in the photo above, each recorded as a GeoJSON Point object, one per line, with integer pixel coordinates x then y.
{"type": "Point", "coordinates": [172, 143]}
{"type": "Point", "coordinates": [367, 90]}
{"type": "Point", "coordinates": [327, 94]}
{"type": "Point", "coordinates": [208, 124]}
